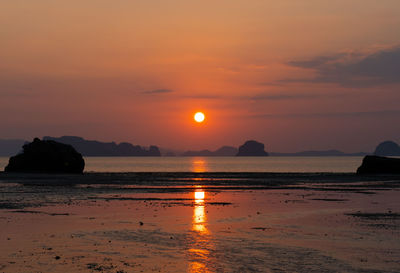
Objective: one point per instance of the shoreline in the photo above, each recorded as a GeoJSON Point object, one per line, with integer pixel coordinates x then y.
{"type": "Point", "coordinates": [200, 178]}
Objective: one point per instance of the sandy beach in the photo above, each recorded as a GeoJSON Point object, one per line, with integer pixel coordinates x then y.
{"type": "Point", "coordinates": [199, 222]}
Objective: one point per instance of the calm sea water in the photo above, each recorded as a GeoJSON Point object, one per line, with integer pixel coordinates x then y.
{"type": "Point", "coordinates": [218, 164]}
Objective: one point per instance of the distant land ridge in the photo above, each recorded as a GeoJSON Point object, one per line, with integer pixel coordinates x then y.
{"type": "Point", "coordinates": [223, 151]}
{"type": "Point", "coordinates": [9, 147]}
{"type": "Point", "coordinates": [319, 153]}
{"type": "Point", "coordinates": [97, 148]}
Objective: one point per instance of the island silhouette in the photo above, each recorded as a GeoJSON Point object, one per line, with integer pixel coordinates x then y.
{"type": "Point", "coordinates": [252, 148]}
{"type": "Point", "coordinates": [86, 147]}
{"type": "Point", "coordinates": [57, 155]}
{"type": "Point", "coordinates": [387, 148]}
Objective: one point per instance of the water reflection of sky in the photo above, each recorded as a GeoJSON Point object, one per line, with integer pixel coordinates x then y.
{"type": "Point", "coordinates": [200, 249]}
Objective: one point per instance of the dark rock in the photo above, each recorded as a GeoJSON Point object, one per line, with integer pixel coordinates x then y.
{"type": "Point", "coordinates": [252, 148]}
{"type": "Point", "coordinates": [46, 156]}
{"type": "Point", "coordinates": [387, 148]}
{"type": "Point", "coordinates": [377, 164]}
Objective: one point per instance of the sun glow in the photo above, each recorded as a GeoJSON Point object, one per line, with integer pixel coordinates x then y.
{"type": "Point", "coordinates": [199, 117]}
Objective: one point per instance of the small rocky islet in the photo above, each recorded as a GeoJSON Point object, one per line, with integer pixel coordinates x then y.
{"type": "Point", "coordinates": [46, 156]}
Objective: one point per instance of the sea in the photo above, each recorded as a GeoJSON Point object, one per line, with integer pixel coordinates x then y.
{"type": "Point", "coordinates": [342, 164]}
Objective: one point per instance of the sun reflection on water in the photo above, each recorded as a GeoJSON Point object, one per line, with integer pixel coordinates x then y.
{"type": "Point", "coordinates": [200, 250]}
{"type": "Point", "coordinates": [199, 165]}
{"type": "Point", "coordinates": [199, 196]}
{"type": "Point", "coordinates": [199, 214]}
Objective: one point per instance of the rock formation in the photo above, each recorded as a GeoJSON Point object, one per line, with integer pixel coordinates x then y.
{"type": "Point", "coordinates": [252, 148]}
{"type": "Point", "coordinates": [387, 148]}
{"type": "Point", "coordinates": [46, 157]}
{"type": "Point", "coordinates": [372, 164]}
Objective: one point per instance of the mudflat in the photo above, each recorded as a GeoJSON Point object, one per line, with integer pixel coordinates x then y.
{"type": "Point", "coordinates": [199, 222]}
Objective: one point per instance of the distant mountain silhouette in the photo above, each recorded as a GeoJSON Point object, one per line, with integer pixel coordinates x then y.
{"type": "Point", "coordinates": [320, 153]}
{"type": "Point", "coordinates": [10, 147]}
{"type": "Point", "coordinates": [97, 148]}
{"type": "Point", "coordinates": [387, 148]}
{"type": "Point", "coordinates": [223, 151]}
{"type": "Point", "coordinates": [198, 153]}
{"type": "Point", "coordinates": [169, 154]}
{"type": "Point", "coordinates": [226, 151]}
{"type": "Point", "coordinates": [252, 148]}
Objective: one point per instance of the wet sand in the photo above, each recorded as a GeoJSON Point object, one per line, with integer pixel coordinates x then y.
{"type": "Point", "coordinates": [199, 222]}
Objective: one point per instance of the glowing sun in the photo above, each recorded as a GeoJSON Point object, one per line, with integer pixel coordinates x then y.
{"type": "Point", "coordinates": [199, 117]}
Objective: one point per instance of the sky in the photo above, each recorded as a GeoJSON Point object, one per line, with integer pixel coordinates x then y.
{"type": "Point", "coordinates": [295, 75]}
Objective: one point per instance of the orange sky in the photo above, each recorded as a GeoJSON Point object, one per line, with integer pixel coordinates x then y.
{"type": "Point", "coordinates": [296, 75]}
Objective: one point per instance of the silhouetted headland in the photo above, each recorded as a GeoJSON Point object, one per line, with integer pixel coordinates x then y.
{"type": "Point", "coordinates": [97, 148]}
{"type": "Point", "coordinates": [46, 156]}
{"type": "Point", "coordinates": [252, 148]}
{"type": "Point", "coordinates": [387, 148]}
{"type": "Point", "coordinates": [379, 165]}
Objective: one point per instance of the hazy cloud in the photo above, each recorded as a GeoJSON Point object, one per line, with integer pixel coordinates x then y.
{"type": "Point", "coordinates": [317, 61]}
{"type": "Point", "coordinates": [157, 91]}
{"type": "Point", "coordinates": [284, 96]}
{"type": "Point", "coordinates": [258, 97]}
{"type": "Point", "coordinates": [355, 69]}
{"type": "Point", "coordinates": [380, 113]}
